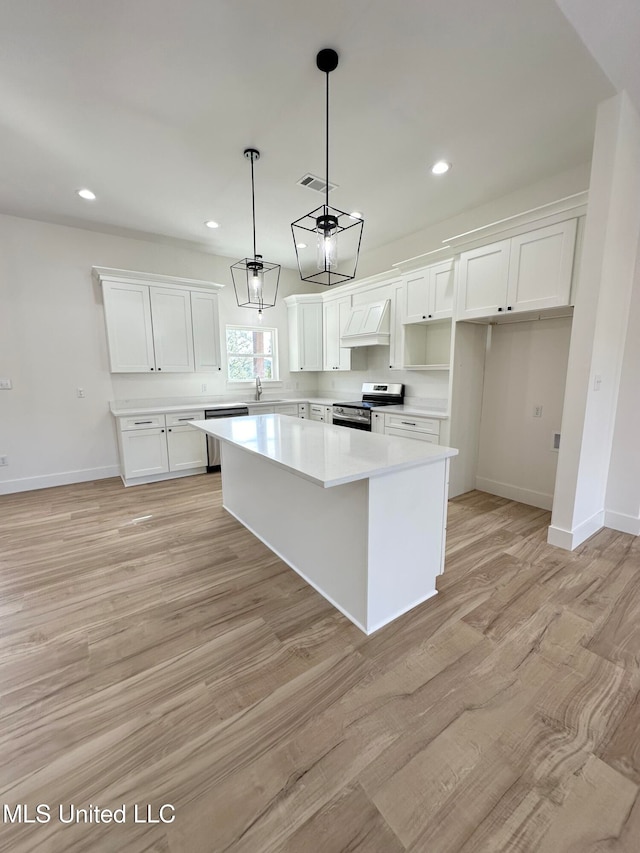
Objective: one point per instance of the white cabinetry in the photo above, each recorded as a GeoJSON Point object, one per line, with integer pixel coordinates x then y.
{"type": "Point", "coordinates": [303, 410]}
{"type": "Point", "coordinates": [377, 422]}
{"type": "Point", "coordinates": [172, 329]}
{"type": "Point", "coordinates": [187, 447]}
{"type": "Point", "coordinates": [335, 313]}
{"type": "Point", "coordinates": [529, 272]}
{"type": "Point", "coordinates": [144, 452]}
{"type": "Point", "coordinates": [396, 343]}
{"type": "Point", "coordinates": [159, 323]}
{"type": "Point", "coordinates": [413, 426]}
{"type": "Point", "coordinates": [318, 412]}
{"type": "Point", "coordinates": [305, 332]}
{"type": "Point", "coordinates": [206, 333]}
{"type": "Point", "coordinates": [127, 309]}
{"type": "Point", "coordinates": [428, 293]}
{"type": "Point", "coordinates": [154, 447]}
{"type": "Point", "coordinates": [286, 409]}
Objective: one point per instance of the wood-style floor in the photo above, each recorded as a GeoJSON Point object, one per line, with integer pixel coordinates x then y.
{"type": "Point", "coordinates": [152, 651]}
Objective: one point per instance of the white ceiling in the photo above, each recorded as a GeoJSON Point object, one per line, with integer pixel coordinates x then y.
{"type": "Point", "coordinates": [150, 103]}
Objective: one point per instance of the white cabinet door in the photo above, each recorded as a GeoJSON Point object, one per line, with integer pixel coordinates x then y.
{"type": "Point", "coordinates": [331, 334]}
{"type": "Point", "coordinates": [187, 448]}
{"type": "Point", "coordinates": [127, 311]}
{"type": "Point", "coordinates": [316, 412]}
{"type": "Point", "coordinates": [417, 300]}
{"type": "Point", "coordinates": [377, 422]}
{"type": "Point", "coordinates": [335, 316]}
{"type": "Point", "coordinates": [303, 410]}
{"type": "Point", "coordinates": [172, 331]}
{"type": "Point", "coordinates": [483, 277]}
{"type": "Point", "coordinates": [441, 290]}
{"type": "Point", "coordinates": [144, 452]}
{"type": "Point", "coordinates": [396, 344]}
{"type": "Point", "coordinates": [206, 331]}
{"type": "Point", "coordinates": [287, 409]}
{"type": "Point", "coordinates": [540, 267]}
{"type": "Point", "coordinates": [305, 334]}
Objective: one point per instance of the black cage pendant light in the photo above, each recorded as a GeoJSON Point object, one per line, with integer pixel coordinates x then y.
{"type": "Point", "coordinates": [254, 279]}
{"type": "Point", "coordinates": [334, 234]}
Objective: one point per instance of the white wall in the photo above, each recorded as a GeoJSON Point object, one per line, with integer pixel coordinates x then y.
{"type": "Point", "coordinates": [52, 341]}
{"type": "Point", "coordinates": [525, 366]}
{"type": "Point", "coordinates": [421, 388]}
{"type": "Point", "coordinates": [567, 183]}
{"type": "Point", "coordinates": [623, 485]}
{"type": "Point", "coordinates": [600, 325]}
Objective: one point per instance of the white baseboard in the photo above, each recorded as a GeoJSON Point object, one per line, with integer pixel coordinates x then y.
{"type": "Point", "coordinates": [622, 522]}
{"type": "Point", "coordinates": [570, 539]}
{"type": "Point", "coordinates": [515, 493]}
{"type": "Point", "coordinates": [64, 478]}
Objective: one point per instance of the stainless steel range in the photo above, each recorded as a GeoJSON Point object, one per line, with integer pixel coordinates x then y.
{"type": "Point", "coordinates": [357, 415]}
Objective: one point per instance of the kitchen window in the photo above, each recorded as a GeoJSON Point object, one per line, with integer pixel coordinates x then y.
{"type": "Point", "coordinates": [251, 352]}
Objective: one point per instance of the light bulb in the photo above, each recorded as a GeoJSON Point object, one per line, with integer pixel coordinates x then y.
{"type": "Point", "coordinates": [255, 286]}
{"type": "Point", "coordinates": [327, 250]}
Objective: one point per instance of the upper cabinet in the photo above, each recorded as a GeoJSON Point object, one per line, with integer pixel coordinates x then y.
{"type": "Point", "coordinates": [335, 314]}
{"type": "Point", "coordinates": [305, 331]}
{"type": "Point", "coordinates": [127, 309]}
{"type": "Point", "coordinates": [172, 329]}
{"type": "Point", "coordinates": [152, 327]}
{"type": "Point", "coordinates": [428, 293]}
{"type": "Point", "coordinates": [206, 334]}
{"type": "Point", "coordinates": [529, 272]}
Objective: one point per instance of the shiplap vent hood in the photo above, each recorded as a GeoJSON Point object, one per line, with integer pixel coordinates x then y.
{"type": "Point", "coordinates": [367, 325]}
{"type": "Point", "coordinates": [315, 183]}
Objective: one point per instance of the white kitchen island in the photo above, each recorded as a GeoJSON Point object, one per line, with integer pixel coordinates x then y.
{"type": "Point", "coordinates": [360, 516]}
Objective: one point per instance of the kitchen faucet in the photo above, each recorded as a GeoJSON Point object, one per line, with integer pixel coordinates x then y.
{"type": "Point", "coordinates": [258, 389]}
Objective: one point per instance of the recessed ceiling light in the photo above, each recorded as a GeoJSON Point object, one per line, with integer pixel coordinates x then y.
{"type": "Point", "coordinates": [441, 167]}
{"type": "Point", "coordinates": [211, 224]}
{"type": "Point", "coordinates": [356, 214]}
{"type": "Point", "coordinates": [301, 245]}
{"type": "Point", "coordinates": [86, 194]}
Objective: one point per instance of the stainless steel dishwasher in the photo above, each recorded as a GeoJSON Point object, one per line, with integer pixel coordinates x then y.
{"type": "Point", "coordinates": [213, 445]}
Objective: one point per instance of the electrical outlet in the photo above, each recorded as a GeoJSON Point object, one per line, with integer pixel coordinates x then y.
{"type": "Point", "coordinates": [4, 461]}
{"type": "Point", "coordinates": [204, 387]}
{"type": "Point", "coordinates": [597, 382]}
{"type": "Point", "coordinates": [80, 392]}
{"type": "Point", "coordinates": [537, 412]}
{"type": "Point", "coordinates": [5, 385]}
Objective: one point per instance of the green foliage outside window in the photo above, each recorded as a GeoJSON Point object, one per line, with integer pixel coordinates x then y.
{"type": "Point", "coordinates": [251, 352]}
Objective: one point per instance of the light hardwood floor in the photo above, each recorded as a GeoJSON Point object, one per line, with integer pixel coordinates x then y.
{"type": "Point", "coordinates": [152, 651]}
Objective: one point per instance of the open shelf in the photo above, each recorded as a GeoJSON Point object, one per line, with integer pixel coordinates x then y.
{"type": "Point", "coordinates": [428, 346]}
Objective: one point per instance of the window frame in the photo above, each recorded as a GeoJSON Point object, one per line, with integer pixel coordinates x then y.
{"type": "Point", "coordinates": [274, 355]}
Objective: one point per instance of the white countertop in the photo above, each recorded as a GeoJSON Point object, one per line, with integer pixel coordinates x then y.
{"type": "Point", "coordinates": [129, 408]}
{"type": "Point", "coordinates": [319, 452]}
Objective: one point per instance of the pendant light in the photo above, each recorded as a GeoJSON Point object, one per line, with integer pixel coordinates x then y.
{"type": "Point", "coordinates": [254, 279]}
{"type": "Point", "coordinates": [336, 234]}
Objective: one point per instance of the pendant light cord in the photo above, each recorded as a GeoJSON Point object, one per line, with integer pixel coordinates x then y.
{"type": "Point", "coordinates": [253, 207]}
{"type": "Point", "coordinates": [327, 149]}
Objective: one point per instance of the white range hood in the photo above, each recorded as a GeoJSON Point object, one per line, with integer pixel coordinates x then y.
{"type": "Point", "coordinates": [367, 325]}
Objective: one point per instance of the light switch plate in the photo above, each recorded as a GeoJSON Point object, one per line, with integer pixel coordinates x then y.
{"type": "Point", "coordinates": [5, 385]}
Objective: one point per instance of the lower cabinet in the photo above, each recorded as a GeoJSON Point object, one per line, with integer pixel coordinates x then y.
{"type": "Point", "coordinates": [144, 452]}
{"type": "Point", "coordinates": [413, 426]}
{"type": "Point", "coordinates": [160, 444]}
{"type": "Point", "coordinates": [303, 410]}
{"type": "Point", "coordinates": [377, 422]}
{"type": "Point", "coordinates": [287, 409]}
{"type": "Point", "coordinates": [187, 448]}
{"type": "Point", "coordinates": [318, 412]}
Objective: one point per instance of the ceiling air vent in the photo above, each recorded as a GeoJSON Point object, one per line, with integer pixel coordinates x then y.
{"type": "Point", "coordinates": [315, 183]}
